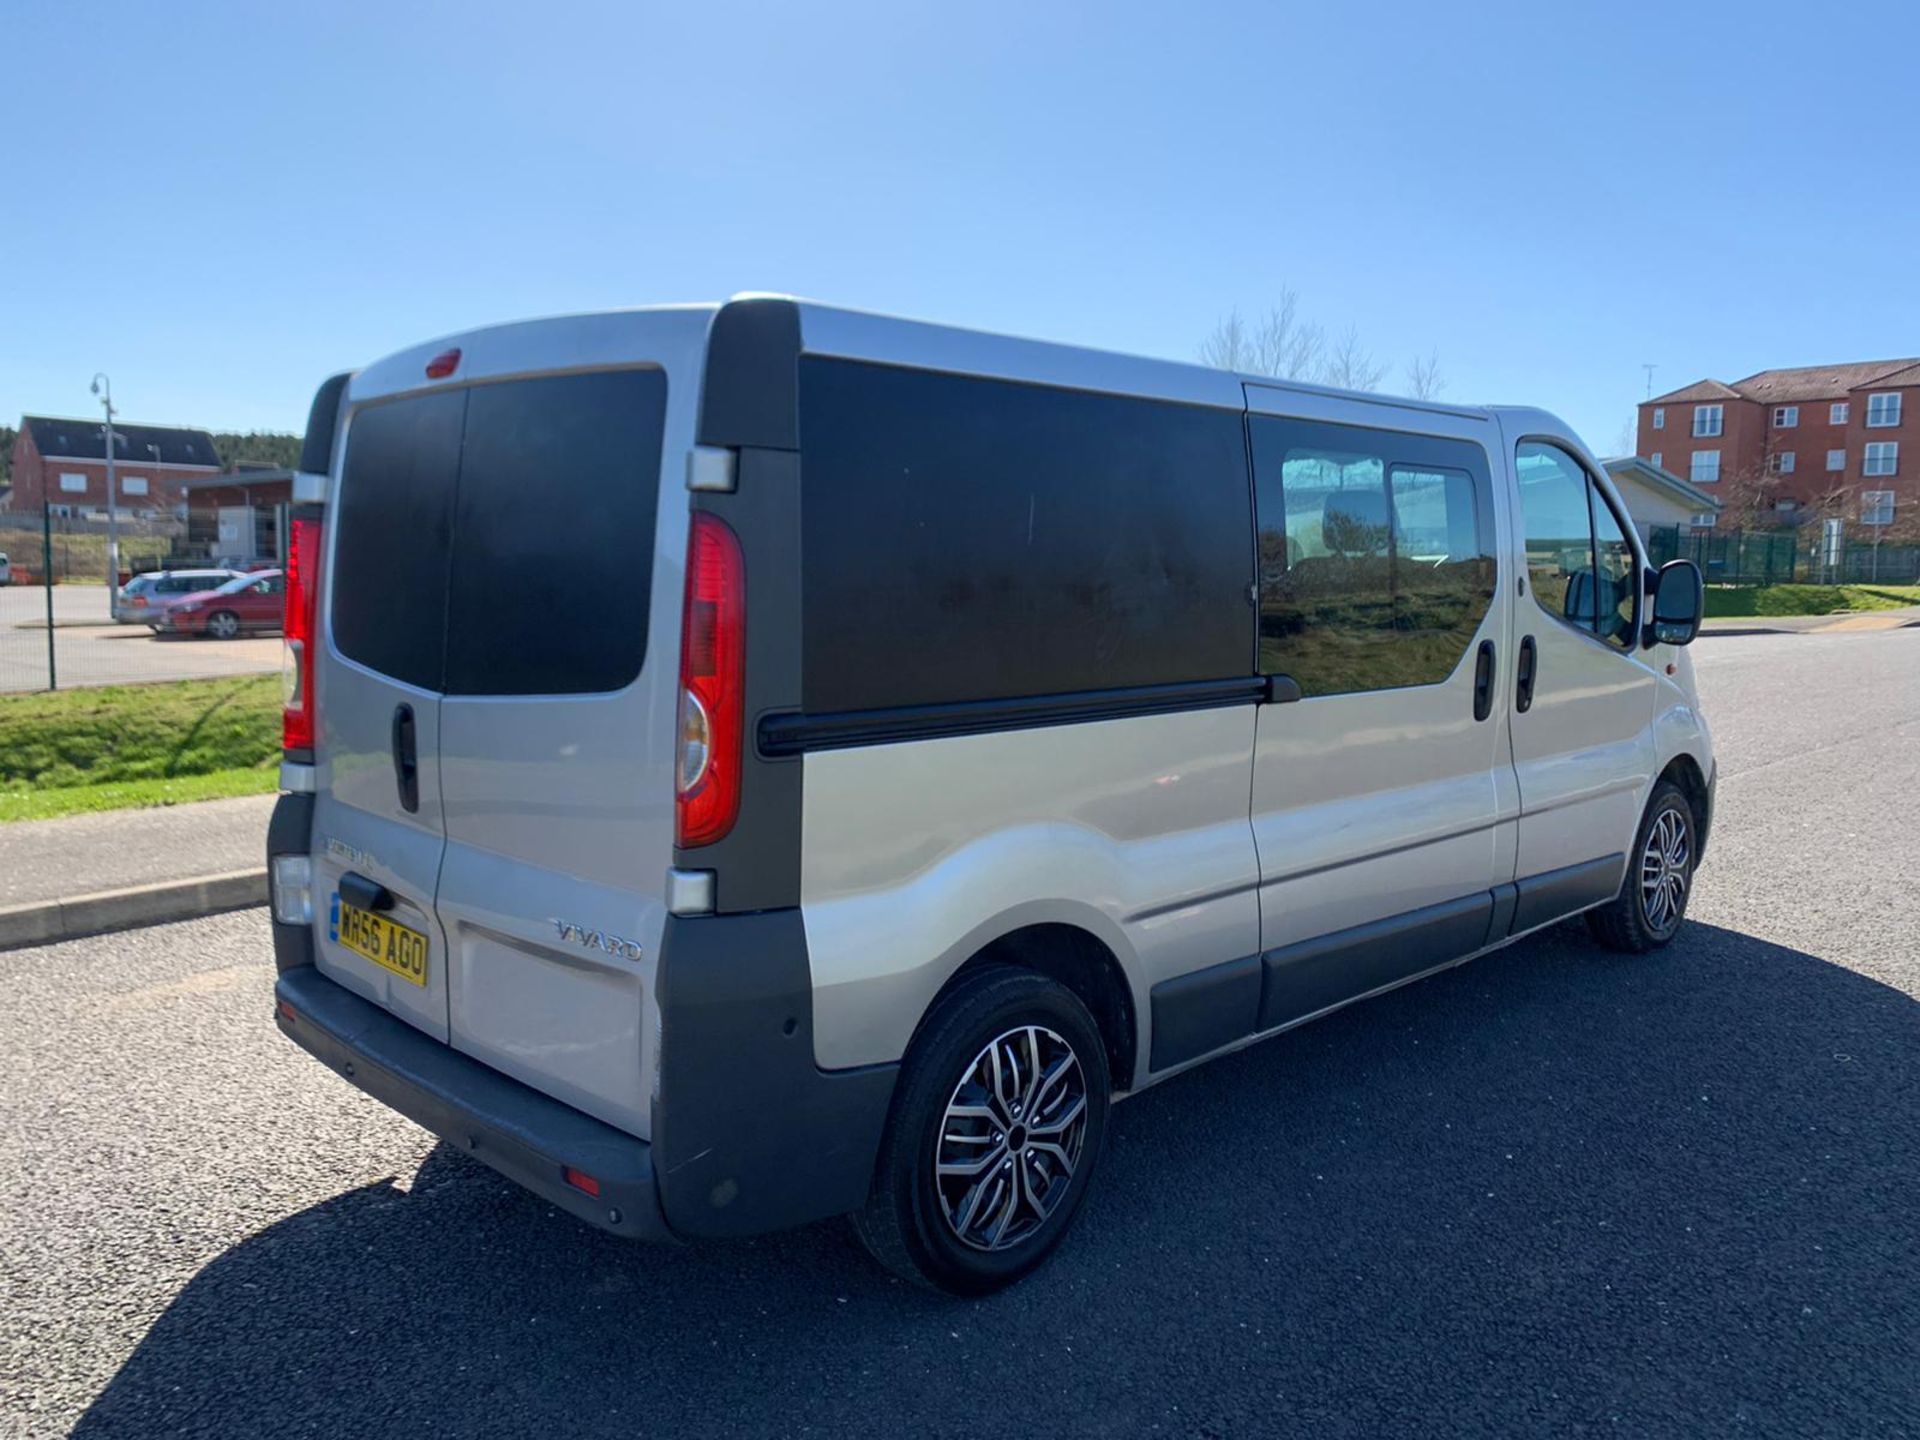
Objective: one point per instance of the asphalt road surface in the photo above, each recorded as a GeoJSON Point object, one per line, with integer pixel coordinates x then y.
{"type": "Point", "coordinates": [1554, 1191]}
{"type": "Point", "coordinates": [91, 650]}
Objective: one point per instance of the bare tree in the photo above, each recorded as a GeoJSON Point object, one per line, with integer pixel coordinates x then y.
{"type": "Point", "coordinates": [1350, 366]}
{"type": "Point", "coordinates": [1280, 344]}
{"type": "Point", "coordinates": [1228, 347]}
{"type": "Point", "coordinates": [1424, 380]}
{"type": "Point", "coordinates": [1748, 498]}
{"type": "Point", "coordinates": [1624, 440]}
{"type": "Point", "coordinates": [1284, 345]}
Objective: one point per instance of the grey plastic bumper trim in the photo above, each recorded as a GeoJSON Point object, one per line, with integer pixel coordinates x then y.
{"type": "Point", "coordinates": [528, 1137]}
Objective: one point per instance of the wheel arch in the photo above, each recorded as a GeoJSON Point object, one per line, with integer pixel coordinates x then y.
{"type": "Point", "coordinates": [1684, 773]}
{"type": "Point", "coordinates": [1076, 958]}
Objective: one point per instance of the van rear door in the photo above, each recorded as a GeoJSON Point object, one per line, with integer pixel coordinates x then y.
{"type": "Point", "coordinates": [524, 560]}
{"type": "Point", "coordinates": [558, 725]}
{"type": "Point", "coordinates": [378, 829]}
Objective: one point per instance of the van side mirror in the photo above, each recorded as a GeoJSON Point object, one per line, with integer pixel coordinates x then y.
{"type": "Point", "coordinates": [1679, 602]}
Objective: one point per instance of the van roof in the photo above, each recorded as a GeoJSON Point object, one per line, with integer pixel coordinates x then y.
{"type": "Point", "coordinates": [889, 339]}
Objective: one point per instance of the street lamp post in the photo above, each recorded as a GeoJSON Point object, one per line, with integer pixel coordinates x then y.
{"type": "Point", "coordinates": [103, 387]}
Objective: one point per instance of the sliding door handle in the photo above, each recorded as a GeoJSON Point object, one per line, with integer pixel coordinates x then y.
{"type": "Point", "coordinates": [1523, 676]}
{"type": "Point", "coordinates": [1483, 682]}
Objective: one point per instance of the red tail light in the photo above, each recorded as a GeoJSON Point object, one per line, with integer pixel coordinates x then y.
{"type": "Point", "coordinates": [443, 364]}
{"type": "Point", "coordinates": [713, 697]}
{"type": "Point", "coordinates": [298, 722]}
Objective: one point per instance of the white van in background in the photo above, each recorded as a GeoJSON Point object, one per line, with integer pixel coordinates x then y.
{"type": "Point", "coordinates": [758, 762]}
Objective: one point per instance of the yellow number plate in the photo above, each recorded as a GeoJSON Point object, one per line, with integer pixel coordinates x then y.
{"type": "Point", "coordinates": [389, 945]}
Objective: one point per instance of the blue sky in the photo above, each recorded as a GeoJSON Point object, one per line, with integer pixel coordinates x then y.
{"type": "Point", "coordinates": [1548, 195]}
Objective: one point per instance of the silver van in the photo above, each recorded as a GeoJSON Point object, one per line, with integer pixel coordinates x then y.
{"type": "Point", "coordinates": [753, 763]}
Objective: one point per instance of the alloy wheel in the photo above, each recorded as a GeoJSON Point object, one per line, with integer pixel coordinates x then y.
{"type": "Point", "coordinates": [1664, 872]}
{"type": "Point", "coordinates": [1012, 1133]}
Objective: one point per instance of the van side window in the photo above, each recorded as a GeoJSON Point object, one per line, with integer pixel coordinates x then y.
{"type": "Point", "coordinates": [973, 539]}
{"type": "Point", "coordinates": [1582, 567]}
{"type": "Point", "coordinates": [1376, 555]}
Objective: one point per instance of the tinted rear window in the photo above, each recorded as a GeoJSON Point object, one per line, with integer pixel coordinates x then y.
{"type": "Point", "coordinates": [553, 534]}
{"type": "Point", "coordinates": [969, 539]}
{"type": "Point", "coordinates": [395, 516]}
{"type": "Point", "coordinates": [499, 540]}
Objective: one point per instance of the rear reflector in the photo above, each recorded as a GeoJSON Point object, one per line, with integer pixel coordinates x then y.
{"type": "Point", "coordinates": [581, 1181]}
{"type": "Point", "coordinates": [713, 697]}
{"type": "Point", "coordinates": [298, 722]}
{"type": "Point", "coordinates": [285, 1008]}
{"type": "Point", "coordinates": [443, 364]}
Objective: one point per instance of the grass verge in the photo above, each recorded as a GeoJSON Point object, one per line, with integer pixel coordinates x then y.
{"type": "Point", "coordinates": [1743, 601]}
{"type": "Point", "coordinates": [134, 745]}
{"type": "Point", "coordinates": [134, 794]}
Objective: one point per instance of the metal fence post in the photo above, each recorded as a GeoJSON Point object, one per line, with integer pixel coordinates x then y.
{"type": "Point", "coordinates": [46, 583]}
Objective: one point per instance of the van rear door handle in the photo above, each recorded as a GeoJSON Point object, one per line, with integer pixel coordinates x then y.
{"type": "Point", "coordinates": [1483, 682]}
{"type": "Point", "coordinates": [406, 759]}
{"type": "Point", "coordinates": [1523, 676]}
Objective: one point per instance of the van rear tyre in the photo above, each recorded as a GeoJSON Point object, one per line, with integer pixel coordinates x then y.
{"type": "Point", "coordinates": [1652, 902]}
{"type": "Point", "coordinates": [997, 1128]}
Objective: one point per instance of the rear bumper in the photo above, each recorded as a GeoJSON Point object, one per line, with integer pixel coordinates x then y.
{"type": "Point", "coordinates": [748, 1134]}
{"type": "Point", "coordinates": [528, 1137]}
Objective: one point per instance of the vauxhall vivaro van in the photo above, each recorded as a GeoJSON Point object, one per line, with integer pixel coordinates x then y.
{"type": "Point", "coordinates": [760, 762]}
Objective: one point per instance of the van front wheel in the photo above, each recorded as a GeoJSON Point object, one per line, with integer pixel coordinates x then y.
{"type": "Point", "coordinates": [1652, 902]}
{"type": "Point", "coordinates": [997, 1128]}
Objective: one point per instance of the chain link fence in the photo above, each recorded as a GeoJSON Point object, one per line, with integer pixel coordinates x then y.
{"type": "Point", "coordinates": [1809, 555]}
{"type": "Point", "coordinates": [60, 625]}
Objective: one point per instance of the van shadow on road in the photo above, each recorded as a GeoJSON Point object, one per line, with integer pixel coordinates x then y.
{"type": "Point", "coordinates": [1558, 1187]}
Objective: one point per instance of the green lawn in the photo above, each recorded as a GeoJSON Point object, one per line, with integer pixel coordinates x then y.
{"type": "Point", "coordinates": [1741, 601]}
{"type": "Point", "coordinates": [135, 745]}
{"type": "Point", "coordinates": [134, 794]}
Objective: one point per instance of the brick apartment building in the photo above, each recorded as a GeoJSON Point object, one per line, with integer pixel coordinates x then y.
{"type": "Point", "coordinates": [1841, 440]}
{"type": "Point", "coordinates": [63, 463]}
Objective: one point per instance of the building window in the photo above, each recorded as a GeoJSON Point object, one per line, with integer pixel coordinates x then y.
{"type": "Point", "coordinates": [1705, 468]}
{"type": "Point", "coordinates": [1785, 417]}
{"type": "Point", "coordinates": [134, 485]}
{"type": "Point", "coordinates": [1883, 458]}
{"type": "Point", "coordinates": [1708, 420]}
{"type": "Point", "coordinates": [1837, 412]}
{"type": "Point", "coordinates": [73, 484]}
{"type": "Point", "coordinates": [1883, 411]}
{"type": "Point", "coordinates": [1785, 507]}
{"type": "Point", "coordinates": [1702, 521]}
{"type": "Point", "coordinates": [1836, 460]}
{"type": "Point", "coordinates": [1659, 417]}
{"type": "Point", "coordinates": [1876, 507]}
{"type": "Point", "coordinates": [1656, 458]}
{"type": "Point", "coordinates": [1780, 462]}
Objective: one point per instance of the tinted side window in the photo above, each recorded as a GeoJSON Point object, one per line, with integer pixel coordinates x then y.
{"type": "Point", "coordinates": [553, 548]}
{"type": "Point", "coordinates": [1376, 555]}
{"type": "Point", "coordinates": [1559, 532]}
{"type": "Point", "coordinates": [969, 539]}
{"type": "Point", "coordinates": [1582, 566]}
{"type": "Point", "coordinates": [395, 522]}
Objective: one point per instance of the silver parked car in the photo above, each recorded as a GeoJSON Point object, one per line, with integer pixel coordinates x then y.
{"type": "Point", "coordinates": [927, 740]}
{"type": "Point", "coordinates": [144, 598]}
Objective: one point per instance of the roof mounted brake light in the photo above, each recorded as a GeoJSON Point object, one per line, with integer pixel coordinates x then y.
{"type": "Point", "coordinates": [443, 364]}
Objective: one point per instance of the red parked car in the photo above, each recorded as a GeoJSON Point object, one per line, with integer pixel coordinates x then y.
{"type": "Point", "coordinates": [246, 604]}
